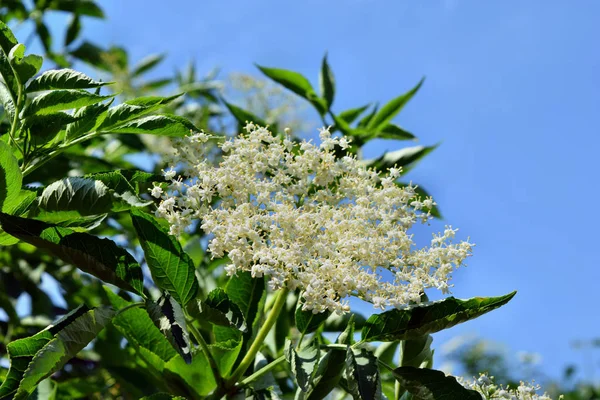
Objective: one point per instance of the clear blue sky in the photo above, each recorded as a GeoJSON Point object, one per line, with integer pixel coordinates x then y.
{"type": "Point", "coordinates": [512, 91]}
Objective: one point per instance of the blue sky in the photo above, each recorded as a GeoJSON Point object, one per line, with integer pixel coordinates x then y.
{"type": "Point", "coordinates": [512, 93]}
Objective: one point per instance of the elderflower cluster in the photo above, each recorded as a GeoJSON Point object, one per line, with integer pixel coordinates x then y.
{"type": "Point", "coordinates": [489, 390]}
{"type": "Point", "coordinates": [305, 219]}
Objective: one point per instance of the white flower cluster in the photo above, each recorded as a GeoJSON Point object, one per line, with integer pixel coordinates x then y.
{"type": "Point", "coordinates": [306, 219]}
{"type": "Point", "coordinates": [485, 385]}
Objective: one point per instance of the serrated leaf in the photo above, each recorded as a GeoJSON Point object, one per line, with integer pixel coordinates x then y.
{"type": "Point", "coordinates": [146, 64]}
{"type": "Point", "coordinates": [307, 321]}
{"type": "Point", "coordinates": [99, 257]}
{"type": "Point", "coordinates": [46, 352]}
{"type": "Point", "coordinates": [362, 373]}
{"type": "Point", "coordinates": [87, 119]}
{"type": "Point", "coordinates": [84, 195]}
{"type": "Point", "coordinates": [327, 83]}
{"type": "Point", "coordinates": [197, 376]}
{"type": "Point", "coordinates": [137, 327]}
{"type": "Point", "coordinates": [168, 317]}
{"type": "Point", "coordinates": [225, 356]}
{"type": "Point", "coordinates": [422, 319]}
{"type": "Point", "coordinates": [25, 66]}
{"type": "Point", "coordinates": [242, 116]}
{"type": "Point", "coordinates": [63, 79]}
{"type": "Point", "coordinates": [58, 100]}
{"type": "Point", "coordinates": [73, 29]}
{"type": "Point", "coordinates": [303, 363]}
{"type": "Point", "coordinates": [171, 268]}
{"type": "Point", "coordinates": [133, 109]}
{"type": "Point", "coordinates": [44, 128]}
{"type": "Point", "coordinates": [11, 178]}
{"type": "Point", "coordinates": [162, 396]}
{"type": "Point", "coordinates": [416, 352]}
{"type": "Point", "coordinates": [429, 384]}
{"type": "Point", "coordinates": [391, 109]}
{"type": "Point", "coordinates": [161, 125]}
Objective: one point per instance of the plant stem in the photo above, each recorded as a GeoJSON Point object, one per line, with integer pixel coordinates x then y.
{"type": "Point", "coordinates": [260, 337]}
{"type": "Point", "coordinates": [211, 361]}
{"type": "Point", "coordinates": [263, 370]}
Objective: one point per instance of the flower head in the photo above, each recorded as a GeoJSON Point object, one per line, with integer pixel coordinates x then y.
{"type": "Point", "coordinates": [305, 219]}
{"type": "Point", "coordinates": [489, 390]}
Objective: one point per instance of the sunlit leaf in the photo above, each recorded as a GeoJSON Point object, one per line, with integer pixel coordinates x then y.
{"type": "Point", "coordinates": [58, 100]}
{"type": "Point", "coordinates": [11, 178]}
{"type": "Point", "coordinates": [63, 79]}
{"type": "Point", "coordinates": [422, 319]}
{"type": "Point", "coordinates": [171, 268]}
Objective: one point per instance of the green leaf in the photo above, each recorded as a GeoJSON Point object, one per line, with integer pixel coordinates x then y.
{"type": "Point", "coordinates": [331, 366]}
{"type": "Point", "coordinates": [87, 119]}
{"type": "Point", "coordinates": [35, 358]}
{"type": "Point", "coordinates": [168, 317]}
{"type": "Point", "coordinates": [405, 158]}
{"type": "Point", "coordinates": [99, 257]}
{"type": "Point", "coordinates": [350, 115]}
{"type": "Point", "coordinates": [297, 83]}
{"type": "Point", "coordinates": [225, 356]}
{"type": "Point", "coordinates": [242, 116]}
{"type": "Point", "coordinates": [7, 38]}
{"type": "Point", "coordinates": [44, 35]}
{"type": "Point", "coordinates": [45, 390]}
{"type": "Point", "coordinates": [86, 196]}
{"type": "Point", "coordinates": [302, 363]}
{"type": "Point", "coordinates": [11, 178]}
{"type": "Point", "coordinates": [219, 309]}
{"type": "Point", "coordinates": [327, 83]}
{"type": "Point", "coordinates": [93, 55]}
{"type": "Point", "coordinates": [139, 329]}
{"type": "Point", "coordinates": [362, 373]}
{"type": "Point", "coordinates": [155, 85]}
{"type": "Point", "coordinates": [161, 125]}
{"type": "Point", "coordinates": [44, 128]}
{"type": "Point", "coordinates": [246, 293]}
{"type": "Point", "coordinates": [58, 100]}
{"type": "Point", "coordinates": [7, 102]}
{"type": "Point", "coordinates": [82, 7]}
{"type": "Point", "coordinates": [391, 109]}
{"type": "Point", "coordinates": [171, 268]}
{"type": "Point", "coordinates": [146, 64]}
{"type": "Point", "coordinates": [73, 29]}
{"type": "Point", "coordinates": [63, 79]}
{"type": "Point", "coordinates": [307, 321]}
{"type": "Point", "coordinates": [416, 352]}
{"type": "Point", "coordinates": [133, 109]}
{"type": "Point", "coordinates": [429, 384]}
{"type": "Point", "coordinates": [391, 131]}
{"type": "Point", "coordinates": [337, 323]}
{"type": "Point", "coordinates": [198, 376]}
{"type": "Point", "coordinates": [422, 319]}
{"type": "Point", "coordinates": [25, 66]}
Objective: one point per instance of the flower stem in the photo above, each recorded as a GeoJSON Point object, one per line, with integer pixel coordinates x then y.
{"type": "Point", "coordinates": [130, 306]}
{"type": "Point", "coordinates": [263, 370]}
{"type": "Point", "coordinates": [260, 338]}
